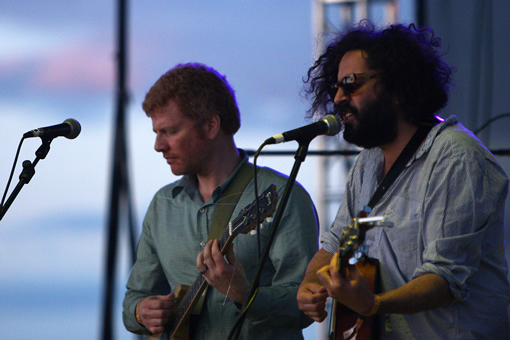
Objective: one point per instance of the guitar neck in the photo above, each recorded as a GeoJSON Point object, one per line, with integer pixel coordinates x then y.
{"type": "Point", "coordinates": [194, 290]}
{"type": "Point", "coordinates": [197, 288]}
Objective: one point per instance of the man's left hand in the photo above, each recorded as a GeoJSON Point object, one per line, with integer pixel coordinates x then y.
{"type": "Point", "coordinates": [351, 290]}
{"type": "Point", "coordinates": [224, 273]}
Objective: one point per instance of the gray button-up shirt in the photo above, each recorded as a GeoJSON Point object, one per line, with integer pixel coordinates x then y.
{"type": "Point", "coordinates": [447, 207]}
{"type": "Point", "coordinates": [175, 230]}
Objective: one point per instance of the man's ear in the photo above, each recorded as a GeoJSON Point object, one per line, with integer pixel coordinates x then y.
{"type": "Point", "coordinates": [213, 126]}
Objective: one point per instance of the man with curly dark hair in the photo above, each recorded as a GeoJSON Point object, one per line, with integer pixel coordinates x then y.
{"type": "Point", "coordinates": [442, 266]}
{"type": "Point", "coordinates": [195, 115]}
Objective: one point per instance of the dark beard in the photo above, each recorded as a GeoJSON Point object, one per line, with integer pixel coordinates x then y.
{"type": "Point", "coordinates": [377, 123]}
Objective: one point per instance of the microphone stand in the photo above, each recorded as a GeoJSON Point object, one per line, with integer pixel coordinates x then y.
{"type": "Point", "coordinates": [299, 159]}
{"type": "Point", "coordinates": [27, 173]}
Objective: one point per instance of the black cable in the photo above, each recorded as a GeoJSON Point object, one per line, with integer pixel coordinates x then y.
{"type": "Point", "coordinates": [490, 121]}
{"type": "Point", "coordinates": [12, 172]}
{"type": "Point", "coordinates": [257, 195]}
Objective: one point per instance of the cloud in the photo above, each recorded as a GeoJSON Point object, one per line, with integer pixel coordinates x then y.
{"type": "Point", "coordinates": [58, 58]}
{"type": "Point", "coordinates": [21, 40]}
{"type": "Point", "coordinates": [83, 67]}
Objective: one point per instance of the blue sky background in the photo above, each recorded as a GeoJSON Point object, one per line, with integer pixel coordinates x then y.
{"type": "Point", "coordinates": [57, 61]}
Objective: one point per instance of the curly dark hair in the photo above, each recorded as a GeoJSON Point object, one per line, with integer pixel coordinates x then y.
{"type": "Point", "coordinates": [406, 59]}
{"type": "Point", "coordinates": [200, 91]}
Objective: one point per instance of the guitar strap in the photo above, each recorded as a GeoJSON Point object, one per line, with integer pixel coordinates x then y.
{"type": "Point", "coordinates": [399, 165]}
{"type": "Point", "coordinates": [227, 202]}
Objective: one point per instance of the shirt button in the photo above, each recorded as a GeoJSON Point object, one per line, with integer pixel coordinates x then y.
{"type": "Point", "coordinates": [202, 244]}
{"type": "Point", "coordinates": [202, 210]}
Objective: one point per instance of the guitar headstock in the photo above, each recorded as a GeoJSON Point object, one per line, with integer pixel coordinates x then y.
{"type": "Point", "coordinates": [247, 218]}
{"type": "Point", "coordinates": [353, 237]}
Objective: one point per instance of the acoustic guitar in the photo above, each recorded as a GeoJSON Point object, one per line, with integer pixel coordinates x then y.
{"type": "Point", "coordinates": [347, 324]}
{"type": "Point", "coordinates": [188, 297]}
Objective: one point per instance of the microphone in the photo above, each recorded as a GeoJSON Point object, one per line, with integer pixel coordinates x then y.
{"type": "Point", "coordinates": [329, 126]}
{"type": "Point", "coordinates": [70, 129]}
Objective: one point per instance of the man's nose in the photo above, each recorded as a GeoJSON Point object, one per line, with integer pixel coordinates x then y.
{"type": "Point", "coordinates": [341, 97]}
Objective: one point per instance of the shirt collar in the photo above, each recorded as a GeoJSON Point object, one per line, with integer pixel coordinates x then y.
{"type": "Point", "coordinates": [434, 132]}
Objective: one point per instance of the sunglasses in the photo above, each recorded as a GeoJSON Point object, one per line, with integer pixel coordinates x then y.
{"type": "Point", "coordinates": [349, 84]}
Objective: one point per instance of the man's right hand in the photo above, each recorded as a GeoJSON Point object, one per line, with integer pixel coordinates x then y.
{"type": "Point", "coordinates": [155, 311]}
{"type": "Point", "coordinates": [311, 299]}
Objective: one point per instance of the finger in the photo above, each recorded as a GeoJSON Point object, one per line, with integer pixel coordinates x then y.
{"type": "Point", "coordinates": [168, 301]}
{"type": "Point", "coordinates": [150, 302]}
{"type": "Point", "coordinates": [316, 310]}
{"type": "Point", "coordinates": [216, 254]}
{"type": "Point", "coordinates": [316, 299]}
{"type": "Point", "coordinates": [321, 317]}
{"type": "Point", "coordinates": [167, 297]}
{"type": "Point", "coordinates": [152, 312]}
{"type": "Point", "coordinates": [207, 260]}
{"type": "Point", "coordinates": [222, 267]}
{"type": "Point", "coordinates": [317, 315]}
{"type": "Point", "coordinates": [315, 288]}
{"type": "Point", "coordinates": [310, 288]}
{"type": "Point", "coordinates": [230, 257]}
{"type": "Point", "coordinates": [153, 303]}
{"type": "Point", "coordinates": [200, 261]}
{"type": "Point", "coordinates": [312, 293]}
{"type": "Point", "coordinates": [334, 262]}
{"type": "Point", "coordinates": [334, 266]}
{"type": "Point", "coordinates": [324, 276]}
{"type": "Point", "coordinates": [310, 306]}
{"type": "Point", "coordinates": [323, 290]}
{"type": "Point", "coordinates": [208, 253]}
{"type": "Point", "coordinates": [156, 329]}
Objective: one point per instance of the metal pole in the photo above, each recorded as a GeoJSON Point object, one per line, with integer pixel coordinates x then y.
{"type": "Point", "coordinates": [120, 203]}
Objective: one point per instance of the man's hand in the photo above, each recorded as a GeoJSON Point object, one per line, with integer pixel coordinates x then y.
{"type": "Point", "coordinates": [225, 274]}
{"type": "Point", "coordinates": [312, 295]}
{"type": "Point", "coordinates": [311, 299]}
{"type": "Point", "coordinates": [351, 290]}
{"type": "Point", "coordinates": [155, 311]}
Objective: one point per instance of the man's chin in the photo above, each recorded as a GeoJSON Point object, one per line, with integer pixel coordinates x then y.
{"type": "Point", "coordinates": [350, 134]}
{"type": "Point", "coordinates": [175, 170]}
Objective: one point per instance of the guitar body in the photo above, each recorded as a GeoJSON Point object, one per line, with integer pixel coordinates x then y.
{"type": "Point", "coordinates": [347, 320]}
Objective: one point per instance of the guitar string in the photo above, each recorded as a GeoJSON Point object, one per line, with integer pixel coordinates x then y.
{"type": "Point", "coordinates": [235, 263]}
{"type": "Point", "coordinates": [233, 272]}
{"type": "Point", "coordinates": [231, 277]}
{"type": "Point", "coordinates": [230, 283]}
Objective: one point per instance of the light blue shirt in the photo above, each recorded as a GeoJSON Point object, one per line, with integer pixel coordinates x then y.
{"type": "Point", "coordinates": [447, 207]}
{"type": "Point", "coordinates": [175, 230]}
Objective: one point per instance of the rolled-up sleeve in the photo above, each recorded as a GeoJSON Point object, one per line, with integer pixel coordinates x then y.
{"type": "Point", "coordinates": [458, 212]}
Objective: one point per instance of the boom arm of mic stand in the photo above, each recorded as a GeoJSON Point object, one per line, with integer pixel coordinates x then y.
{"type": "Point", "coordinates": [27, 174]}
{"type": "Point", "coordinates": [299, 159]}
